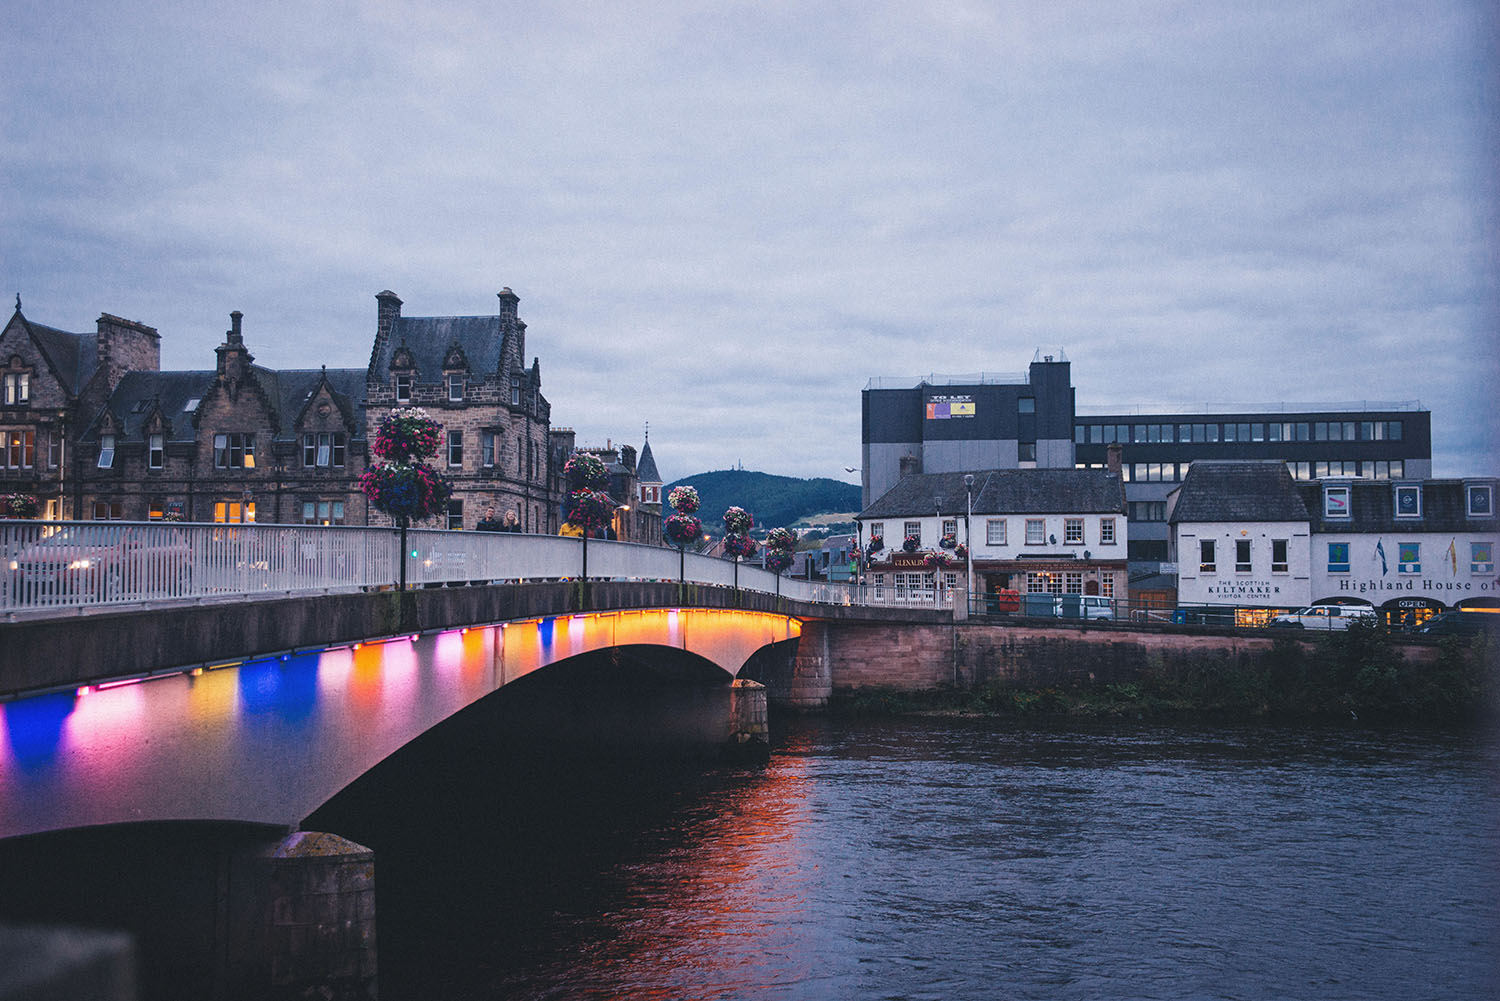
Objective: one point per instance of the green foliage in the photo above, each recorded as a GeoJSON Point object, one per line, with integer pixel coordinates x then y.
{"type": "Point", "coordinates": [773, 500]}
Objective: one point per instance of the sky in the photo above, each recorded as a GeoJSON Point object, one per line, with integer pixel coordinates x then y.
{"type": "Point", "coordinates": [723, 219]}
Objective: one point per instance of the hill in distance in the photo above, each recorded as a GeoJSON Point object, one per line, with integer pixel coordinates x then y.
{"type": "Point", "coordinates": [775, 501]}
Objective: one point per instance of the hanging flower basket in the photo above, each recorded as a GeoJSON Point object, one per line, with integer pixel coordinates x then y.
{"type": "Point", "coordinates": [585, 470]}
{"type": "Point", "coordinates": [405, 434]}
{"type": "Point", "coordinates": [948, 541]}
{"type": "Point", "coordinates": [935, 561]}
{"type": "Point", "coordinates": [781, 540]}
{"type": "Point", "coordinates": [910, 543]}
{"type": "Point", "coordinates": [741, 547]}
{"type": "Point", "coordinates": [590, 509]}
{"type": "Point", "coordinates": [684, 500]}
{"type": "Point", "coordinates": [681, 529]}
{"type": "Point", "coordinates": [961, 551]}
{"type": "Point", "coordinates": [738, 521]}
{"type": "Point", "coordinates": [778, 560]}
{"type": "Point", "coordinates": [877, 543]}
{"type": "Point", "coordinates": [406, 492]}
{"type": "Point", "coordinates": [18, 506]}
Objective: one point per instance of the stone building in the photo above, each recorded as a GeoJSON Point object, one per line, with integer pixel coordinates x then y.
{"type": "Point", "coordinates": [53, 381]}
{"type": "Point", "coordinates": [238, 443]}
{"type": "Point", "coordinates": [469, 374]}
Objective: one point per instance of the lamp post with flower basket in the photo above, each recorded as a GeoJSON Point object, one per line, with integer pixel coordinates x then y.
{"type": "Point", "coordinates": [780, 544]}
{"type": "Point", "coordinates": [682, 527]}
{"type": "Point", "coordinates": [402, 485]}
{"type": "Point", "coordinates": [937, 562]}
{"type": "Point", "coordinates": [589, 507]}
{"type": "Point", "coordinates": [737, 541]}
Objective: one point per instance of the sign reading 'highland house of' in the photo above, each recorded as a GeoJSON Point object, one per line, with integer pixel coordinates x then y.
{"type": "Point", "coordinates": [1244, 588]}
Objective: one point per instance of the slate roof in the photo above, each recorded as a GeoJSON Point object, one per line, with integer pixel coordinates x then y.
{"type": "Point", "coordinates": [1372, 508]}
{"type": "Point", "coordinates": [645, 466]}
{"type": "Point", "coordinates": [428, 338]}
{"type": "Point", "coordinates": [1238, 490]}
{"type": "Point", "coordinates": [74, 356]}
{"type": "Point", "coordinates": [1003, 491]}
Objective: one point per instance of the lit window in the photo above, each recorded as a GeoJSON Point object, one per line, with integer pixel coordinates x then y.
{"type": "Point", "coordinates": [1036, 531]}
{"type": "Point", "coordinates": [455, 448]}
{"type": "Point", "coordinates": [1481, 557]}
{"type": "Point", "coordinates": [1480, 501]}
{"type": "Point", "coordinates": [234, 450]}
{"type": "Point", "coordinates": [234, 512]}
{"type": "Point", "coordinates": [1408, 502]}
{"type": "Point", "coordinates": [106, 451]}
{"type": "Point", "coordinates": [1242, 556]}
{"type": "Point", "coordinates": [1106, 531]}
{"type": "Point", "coordinates": [1409, 557]}
{"type": "Point", "coordinates": [1107, 585]}
{"type": "Point", "coordinates": [994, 532]}
{"type": "Point", "coordinates": [1278, 556]}
{"type": "Point", "coordinates": [156, 510]}
{"type": "Point", "coordinates": [156, 456]}
{"type": "Point", "coordinates": [1338, 557]}
{"type": "Point", "coordinates": [1073, 531]}
{"type": "Point", "coordinates": [1206, 561]}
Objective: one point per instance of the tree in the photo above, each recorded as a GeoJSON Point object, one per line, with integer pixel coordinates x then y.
{"type": "Point", "coordinates": [402, 485]}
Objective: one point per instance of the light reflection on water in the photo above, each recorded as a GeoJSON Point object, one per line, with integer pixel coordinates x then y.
{"type": "Point", "coordinates": [956, 859]}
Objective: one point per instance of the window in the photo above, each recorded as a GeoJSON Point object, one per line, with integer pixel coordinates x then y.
{"type": "Point", "coordinates": [515, 392]}
{"type": "Point", "coordinates": [156, 510]}
{"type": "Point", "coordinates": [108, 511]}
{"type": "Point", "coordinates": [994, 532]}
{"type": "Point", "coordinates": [1036, 531]}
{"type": "Point", "coordinates": [1054, 583]}
{"type": "Point", "coordinates": [1409, 557]}
{"type": "Point", "coordinates": [1026, 451]}
{"type": "Point", "coordinates": [487, 448]}
{"type": "Point", "coordinates": [106, 451]}
{"type": "Point", "coordinates": [1242, 556]}
{"type": "Point", "coordinates": [192, 404]}
{"type": "Point", "coordinates": [1335, 502]}
{"type": "Point", "coordinates": [17, 388]}
{"type": "Point", "coordinates": [1073, 581]}
{"type": "Point", "coordinates": [1278, 555]}
{"type": "Point", "coordinates": [1338, 557]}
{"type": "Point", "coordinates": [877, 530]}
{"type": "Point", "coordinates": [234, 451]}
{"type": "Point", "coordinates": [1408, 502]}
{"type": "Point", "coordinates": [1106, 531]}
{"type": "Point", "coordinates": [1107, 585]}
{"type": "Point", "coordinates": [912, 530]}
{"type": "Point", "coordinates": [323, 449]}
{"type": "Point", "coordinates": [156, 452]}
{"type": "Point", "coordinates": [234, 512]}
{"type": "Point", "coordinates": [455, 388]}
{"type": "Point", "coordinates": [322, 512]}
{"type": "Point", "coordinates": [1073, 531]}
{"type": "Point", "coordinates": [1148, 510]}
{"type": "Point", "coordinates": [455, 448]}
{"type": "Point", "coordinates": [950, 527]}
{"type": "Point", "coordinates": [403, 389]}
{"type": "Point", "coordinates": [1206, 561]}
{"type": "Point", "coordinates": [1026, 405]}
{"type": "Point", "coordinates": [1480, 500]}
{"type": "Point", "coordinates": [1481, 557]}
{"type": "Point", "coordinates": [1080, 434]}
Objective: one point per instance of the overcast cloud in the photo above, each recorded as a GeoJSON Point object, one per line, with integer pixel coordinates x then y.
{"type": "Point", "coordinates": [724, 218]}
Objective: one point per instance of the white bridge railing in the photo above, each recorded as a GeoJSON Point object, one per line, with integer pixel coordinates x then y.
{"type": "Point", "coordinates": [74, 565]}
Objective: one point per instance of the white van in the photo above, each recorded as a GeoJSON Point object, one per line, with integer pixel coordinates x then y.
{"type": "Point", "coordinates": [1327, 617]}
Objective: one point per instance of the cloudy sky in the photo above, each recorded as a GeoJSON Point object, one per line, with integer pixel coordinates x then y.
{"type": "Point", "coordinates": [725, 218]}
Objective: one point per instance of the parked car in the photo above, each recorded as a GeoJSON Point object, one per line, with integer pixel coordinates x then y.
{"type": "Point", "coordinates": [95, 562]}
{"type": "Point", "coordinates": [1203, 615]}
{"type": "Point", "coordinates": [1460, 623]}
{"type": "Point", "coordinates": [1327, 617]}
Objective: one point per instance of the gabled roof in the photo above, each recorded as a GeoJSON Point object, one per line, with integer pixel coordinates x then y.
{"type": "Point", "coordinates": [645, 466]}
{"type": "Point", "coordinates": [72, 356]}
{"type": "Point", "coordinates": [139, 393]}
{"type": "Point", "coordinates": [1004, 491]}
{"type": "Point", "coordinates": [430, 339]}
{"type": "Point", "coordinates": [1238, 490]}
{"type": "Point", "coordinates": [1372, 507]}
{"type": "Point", "coordinates": [292, 389]}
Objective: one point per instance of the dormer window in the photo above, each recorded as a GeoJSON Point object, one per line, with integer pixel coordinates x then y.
{"type": "Point", "coordinates": [1335, 502]}
{"type": "Point", "coordinates": [106, 451]}
{"type": "Point", "coordinates": [455, 388]}
{"type": "Point", "coordinates": [515, 392]}
{"type": "Point", "coordinates": [1408, 501]}
{"type": "Point", "coordinates": [403, 389]}
{"type": "Point", "coordinates": [192, 404]}
{"type": "Point", "coordinates": [1480, 500]}
{"type": "Point", "coordinates": [156, 451]}
{"type": "Point", "coordinates": [17, 388]}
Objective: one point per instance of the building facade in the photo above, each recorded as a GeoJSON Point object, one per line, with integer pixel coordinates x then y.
{"type": "Point", "coordinates": [1038, 531]}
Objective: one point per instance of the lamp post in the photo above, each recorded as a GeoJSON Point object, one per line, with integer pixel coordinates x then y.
{"type": "Point", "coordinates": [937, 568]}
{"type": "Point", "coordinates": [968, 538]}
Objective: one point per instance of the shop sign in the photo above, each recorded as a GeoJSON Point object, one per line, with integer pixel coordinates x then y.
{"type": "Point", "coordinates": [1244, 588]}
{"type": "Point", "coordinates": [908, 560]}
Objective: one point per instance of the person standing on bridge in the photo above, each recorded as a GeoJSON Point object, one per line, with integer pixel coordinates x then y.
{"type": "Point", "coordinates": [512, 523]}
{"type": "Point", "coordinates": [488, 522]}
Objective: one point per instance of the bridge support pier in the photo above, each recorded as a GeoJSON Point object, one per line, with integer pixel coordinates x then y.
{"type": "Point", "coordinates": [811, 681]}
{"type": "Point", "coordinates": [750, 733]}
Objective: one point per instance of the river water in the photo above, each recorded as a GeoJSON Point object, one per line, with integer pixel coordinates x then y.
{"type": "Point", "coordinates": [934, 858]}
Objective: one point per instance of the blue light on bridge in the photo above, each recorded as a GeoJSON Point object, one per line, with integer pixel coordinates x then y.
{"type": "Point", "coordinates": [34, 727]}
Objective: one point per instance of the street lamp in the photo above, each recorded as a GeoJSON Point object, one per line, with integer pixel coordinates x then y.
{"type": "Point", "coordinates": [968, 538]}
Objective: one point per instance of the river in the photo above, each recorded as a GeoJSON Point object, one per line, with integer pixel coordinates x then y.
{"type": "Point", "coordinates": [935, 858]}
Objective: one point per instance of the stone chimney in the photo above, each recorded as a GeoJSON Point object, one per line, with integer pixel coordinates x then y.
{"type": "Point", "coordinates": [126, 346]}
{"type": "Point", "coordinates": [1112, 458]}
{"type": "Point", "coordinates": [910, 465]}
{"type": "Point", "coordinates": [387, 312]}
{"type": "Point", "coordinates": [234, 360]}
{"type": "Point", "coordinates": [512, 331]}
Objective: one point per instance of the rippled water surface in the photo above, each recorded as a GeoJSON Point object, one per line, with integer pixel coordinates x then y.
{"type": "Point", "coordinates": [963, 859]}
